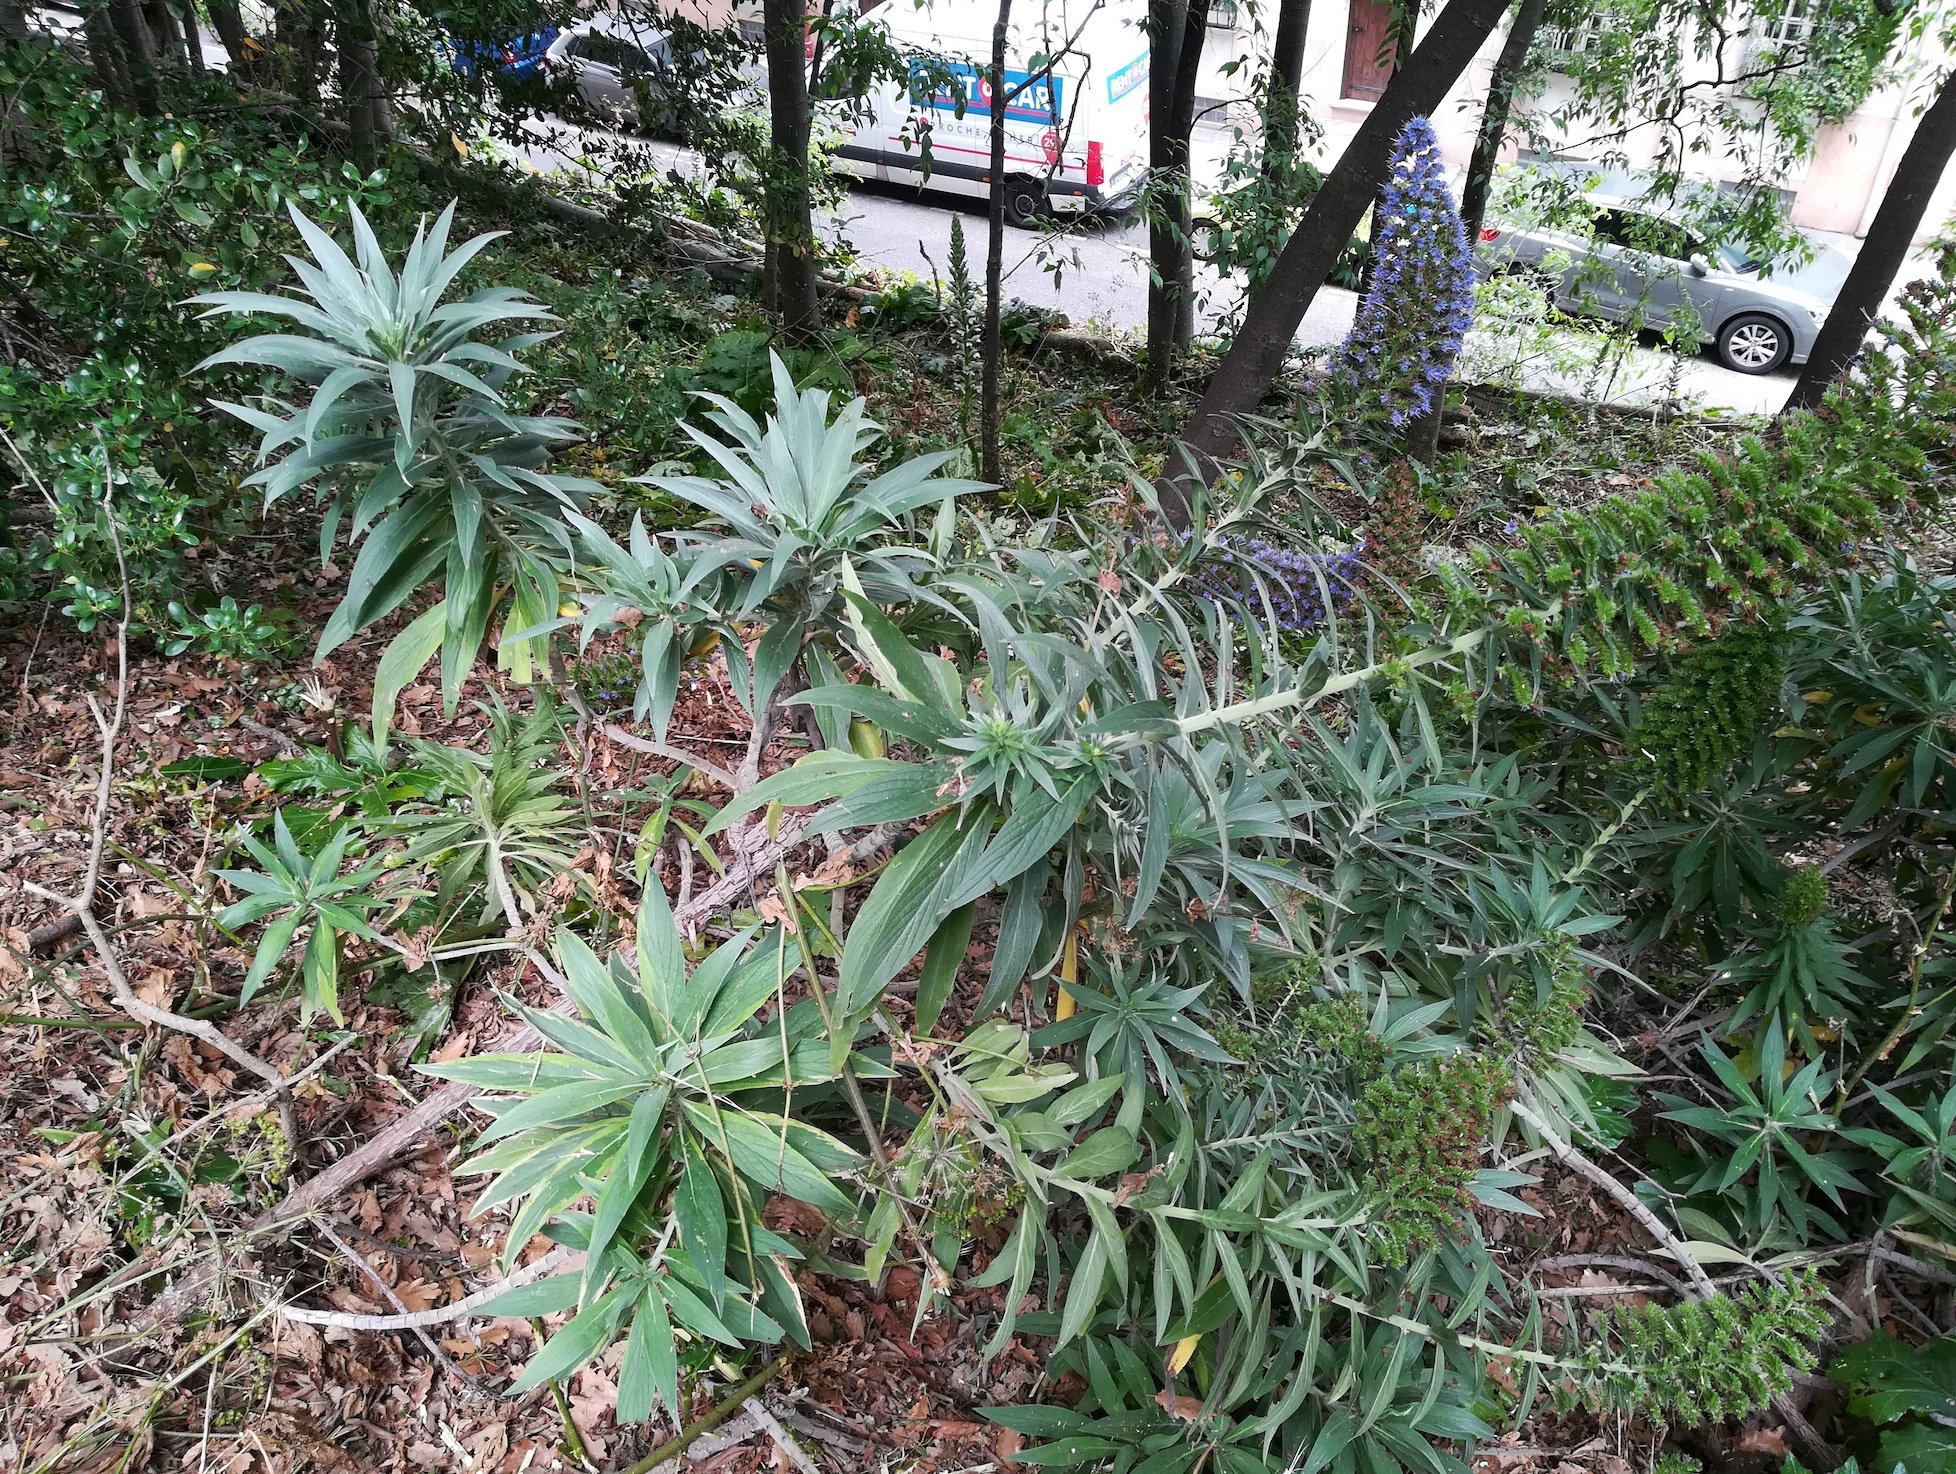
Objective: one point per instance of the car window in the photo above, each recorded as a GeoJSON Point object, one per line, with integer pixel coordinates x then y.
{"type": "Point", "coordinates": [1736, 258]}
{"type": "Point", "coordinates": [1609, 227]}
{"type": "Point", "coordinates": [614, 52]}
{"type": "Point", "coordinates": [1640, 232]}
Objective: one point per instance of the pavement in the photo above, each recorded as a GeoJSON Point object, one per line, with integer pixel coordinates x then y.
{"type": "Point", "coordinates": [1096, 272]}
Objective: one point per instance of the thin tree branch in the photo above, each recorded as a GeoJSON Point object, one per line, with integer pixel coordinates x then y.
{"type": "Point", "coordinates": [82, 903]}
{"type": "Point", "coordinates": [410, 1320]}
{"type": "Point", "coordinates": [435, 1348]}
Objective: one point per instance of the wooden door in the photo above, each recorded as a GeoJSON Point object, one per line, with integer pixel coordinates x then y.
{"type": "Point", "coordinates": [1371, 49]}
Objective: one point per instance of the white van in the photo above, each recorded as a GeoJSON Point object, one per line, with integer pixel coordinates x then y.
{"type": "Point", "coordinates": [1076, 139]}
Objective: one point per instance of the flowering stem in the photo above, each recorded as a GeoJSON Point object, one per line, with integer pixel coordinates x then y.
{"type": "Point", "coordinates": [1302, 696]}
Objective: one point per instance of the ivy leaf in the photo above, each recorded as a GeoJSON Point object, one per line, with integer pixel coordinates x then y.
{"type": "Point", "coordinates": [1923, 1448]}
{"type": "Point", "coordinates": [1892, 1379]}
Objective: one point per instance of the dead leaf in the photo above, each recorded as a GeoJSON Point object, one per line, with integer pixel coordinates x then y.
{"type": "Point", "coordinates": [1186, 1408]}
{"type": "Point", "coordinates": [418, 1295]}
{"type": "Point", "coordinates": [1768, 1441]}
{"type": "Point", "coordinates": [837, 869]}
{"type": "Point", "coordinates": [1005, 1443]}
{"type": "Point", "coordinates": [457, 1046]}
{"type": "Point", "coordinates": [159, 989]}
{"type": "Point", "coordinates": [773, 908]}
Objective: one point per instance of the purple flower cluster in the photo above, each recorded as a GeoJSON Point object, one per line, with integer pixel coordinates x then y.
{"type": "Point", "coordinates": [1421, 302]}
{"type": "Point", "coordinates": [1294, 582]}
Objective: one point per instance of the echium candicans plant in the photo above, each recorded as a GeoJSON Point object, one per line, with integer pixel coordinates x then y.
{"type": "Point", "coordinates": [409, 432]}
{"type": "Point", "coordinates": [1409, 327]}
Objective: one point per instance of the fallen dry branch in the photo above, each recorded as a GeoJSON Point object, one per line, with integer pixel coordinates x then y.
{"type": "Point", "coordinates": [81, 905]}
{"type": "Point", "coordinates": [417, 1320]}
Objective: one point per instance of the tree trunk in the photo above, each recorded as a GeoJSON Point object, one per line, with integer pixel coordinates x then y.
{"type": "Point", "coordinates": [790, 226]}
{"type": "Point", "coordinates": [13, 21]}
{"type": "Point", "coordinates": [167, 34]}
{"type": "Point", "coordinates": [296, 34]}
{"type": "Point", "coordinates": [1188, 65]}
{"type": "Point", "coordinates": [361, 84]}
{"type": "Point", "coordinates": [1494, 116]}
{"type": "Point", "coordinates": [138, 55]}
{"type": "Point", "coordinates": [990, 349]}
{"type": "Point", "coordinates": [1176, 30]}
{"type": "Point", "coordinates": [1859, 302]}
{"type": "Point", "coordinates": [1167, 24]}
{"type": "Point", "coordinates": [193, 39]}
{"type": "Point", "coordinates": [1257, 354]}
{"type": "Point", "coordinates": [1280, 102]}
{"type": "Point", "coordinates": [105, 56]}
{"type": "Point", "coordinates": [357, 86]}
{"type": "Point", "coordinates": [229, 25]}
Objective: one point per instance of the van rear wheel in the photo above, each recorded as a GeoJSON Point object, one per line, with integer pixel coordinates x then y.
{"type": "Point", "coordinates": [1025, 200]}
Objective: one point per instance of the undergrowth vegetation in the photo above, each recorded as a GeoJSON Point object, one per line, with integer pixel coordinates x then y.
{"type": "Point", "coordinates": [1194, 944]}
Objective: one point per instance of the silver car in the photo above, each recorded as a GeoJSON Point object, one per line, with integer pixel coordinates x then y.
{"type": "Point", "coordinates": [1638, 265]}
{"type": "Point", "coordinates": [620, 68]}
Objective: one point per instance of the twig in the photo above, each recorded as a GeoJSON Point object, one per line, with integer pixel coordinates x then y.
{"type": "Point", "coordinates": [98, 1025]}
{"type": "Point", "coordinates": [287, 746]}
{"type": "Point", "coordinates": [1867, 841]}
{"type": "Point", "coordinates": [435, 1348]}
{"type": "Point", "coordinates": [783, 1440]}
{"type": "Point", "coordinates": [1701, 1283]}
{"type": "Point", "coordinates": [258, 1098]}
{"type": "Point", "coordinates": [135, 1007]}
{"type": "Point", "coordinates": [1914, 1266]}
{"type": "Point", "coordinates": [1615, 1261]}
{"type": "Point", "coordinates": [58, 930]}
{"type": "Point", "coordinates": [707, 1421]}
{"type": "Point", "coordinates": [82, 903]}
{"type": "Point", "coordinates": [614, 733]}
{"type": "Point", "coordinates": [398, 1251]}
{"type": "Point", "coordinates": [1580, 1292]}
{"type": "Point", "coordinates": [441, 1315]}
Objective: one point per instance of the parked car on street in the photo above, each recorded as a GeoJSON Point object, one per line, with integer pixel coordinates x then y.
{"type": "Point", "coordinates": [517, 57]}
{"type": "Point", "coordinates": [622, 67]}
{"type": "Point", "coordinates": [1076, 125]}
{"type": "Point", "coordinates": [1636, 264]}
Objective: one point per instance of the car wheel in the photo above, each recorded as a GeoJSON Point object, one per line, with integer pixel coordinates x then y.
{"type": "Point", "coordinates": [1203, 242]}
{"type": "Point", "coordinates": [1753, 343]}
{"type": "Point", "coordinates": [1025, 200]}
{"type": "Point", "coordinates": [1544, 284]}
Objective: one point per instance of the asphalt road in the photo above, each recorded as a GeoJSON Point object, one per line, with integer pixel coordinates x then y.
{"type": "Point", "coordinates": [1097, 273]}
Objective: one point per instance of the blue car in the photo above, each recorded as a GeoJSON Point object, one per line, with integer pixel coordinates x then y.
{"type": "Point", "coordinates": [516, 58]}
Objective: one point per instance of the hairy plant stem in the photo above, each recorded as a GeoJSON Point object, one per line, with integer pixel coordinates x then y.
{"type": "Point", "coordinates": [933, 1273]}
{"type": "Point", "coordinates": [1907, 1011]}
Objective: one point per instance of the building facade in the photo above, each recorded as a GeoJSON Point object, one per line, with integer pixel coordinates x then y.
{"type": "Point", "coordinates": [1348, 58]}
